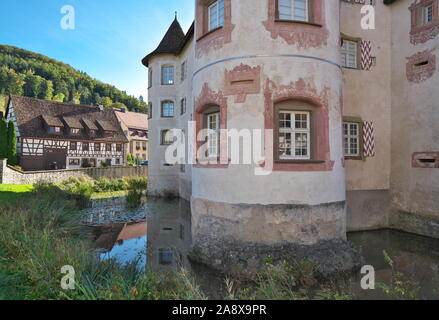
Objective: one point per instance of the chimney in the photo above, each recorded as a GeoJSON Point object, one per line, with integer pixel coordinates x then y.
{"type": "Point", "coordinates": [101, 107]}
{"type": "Point", "coordinates": [124, 110]}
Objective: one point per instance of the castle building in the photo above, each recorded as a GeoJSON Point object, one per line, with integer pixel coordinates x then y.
{"type": "Point", "coordinates": [54, 136]}
{"type": "Point", "coordinates": [348, 108]}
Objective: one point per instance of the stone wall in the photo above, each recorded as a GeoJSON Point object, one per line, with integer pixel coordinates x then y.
{"type": "Point", "coordinates": [9, 175]}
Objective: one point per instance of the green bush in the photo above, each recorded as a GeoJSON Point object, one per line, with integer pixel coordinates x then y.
{"type": "Point", "coordinates": [89, 186]}
{"type": "Point", "coordinates": [41, 235]}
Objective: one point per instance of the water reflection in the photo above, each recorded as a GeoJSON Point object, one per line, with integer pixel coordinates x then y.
{"type": "Point", "coordinates": [415, 257]}
{"type": "Point", "coordinates": [163, 241]}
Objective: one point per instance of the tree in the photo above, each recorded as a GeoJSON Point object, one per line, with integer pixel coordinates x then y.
{"type": "Point", "coordinates": [12, 144]}
{"type": "Point", "coordinates": [58, 97]}
{"type": "Point", "coordinates": [3, 139]}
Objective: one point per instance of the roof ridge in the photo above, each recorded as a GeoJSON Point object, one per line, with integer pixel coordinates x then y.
{"type": "Point", "coordinates": [55, 102]}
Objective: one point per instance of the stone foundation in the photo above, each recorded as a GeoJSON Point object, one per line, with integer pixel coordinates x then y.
{"type": "Point", "coordinates": [243, 236]}
{"type": "Point", "coordinates": [234, 257]}
{"type": "Point", "coordinates": [271, 224]}
{"type": "Point", "coordinates": [414, 223]}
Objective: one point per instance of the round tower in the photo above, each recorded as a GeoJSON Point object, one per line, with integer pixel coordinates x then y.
{"type": "Point", "coordinates": [268, 67]}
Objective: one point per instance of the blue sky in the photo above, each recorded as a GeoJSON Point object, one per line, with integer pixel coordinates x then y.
{"type": "Point", "coordinates": [110, 36]}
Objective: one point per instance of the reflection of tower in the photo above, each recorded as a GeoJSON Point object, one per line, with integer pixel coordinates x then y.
{"type": "Point", "coordinates": [169, 234]}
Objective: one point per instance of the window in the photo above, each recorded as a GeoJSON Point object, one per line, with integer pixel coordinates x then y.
{"type": "Point", "coordinates": [150, 110]}
{"type": "Point", "coordinates": [74, 162]}
{"type": "Point", "coordinates": [167, 109]}
{"type": "Point", "coordinates": [165, 257]}
{"type": "Point", "coordinates": [427, 14]}
{"type": "Point", "coordinates": [109, 134]}
{"type": "Point", "coordinates": [85, 146]}
{"type": "Point", "coordinates": [349, 54]}
{"type": "Point", "coordinates": [167, 75]}
{"type": "Point", "coordinates": [149, 78]}
{"type": "Point", "coordinates": [167, 138]}
{"type": "Point", "coordinates": [54, 129]}
{"type": "Point", "coordinates": [117, 161]}
{"type": "Point", "coordinates": [294, 135]}
{"type": "Point", "coordinates": [216, 15]}
{"type": "Point", "coordinates": [213, 136]}
{"type": "Point", "coordinates": [144, 146]}
{"type": "Point", "coordinates": [73, 146]}
{"type": "Point", "coordinates": [183, 71]}
{"type": "Point", "coordinates": [183, 106]}
{"type": "Point", "coordinates": [296, 10]}
{"type": "Point", "coordinates": [97, 147]}
{"type": "Point", "coordinates": [137, 145]}
{"type": "Point", "coordinates": [92, 133]}
{"type": "Point", "coordinates": [351, 133]}
{"type": "Point", "coordinates": [118, 147]}
{"type": "Point", "coordinates": [74, 131]}
{"type": "Point", "coordinates": [108, 147]}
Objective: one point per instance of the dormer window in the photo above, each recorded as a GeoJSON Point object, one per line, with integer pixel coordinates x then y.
{"type": "Point", "coordinates": [109, 134]}
{"type": "Point", "coordinates": [92, 133]}
{"type": "Point", "coordinates": [55, 129]}
{"type": "Point", "coordinates": [293, 10]}
{"type": "Point", "coordinates": [216, 15]}
{"type": "Point", "coordinates": [74, 131]}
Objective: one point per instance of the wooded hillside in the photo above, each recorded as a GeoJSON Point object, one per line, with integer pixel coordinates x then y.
{"type": "Point", "coordinates": [34, 75]}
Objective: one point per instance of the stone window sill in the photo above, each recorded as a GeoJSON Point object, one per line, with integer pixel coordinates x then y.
{"type": "Point", "coordinates": [300, 22]}
{"type": "Point", "coordinates": [300, 161]}
{"type": "Point", "coordinates": [209, 33]}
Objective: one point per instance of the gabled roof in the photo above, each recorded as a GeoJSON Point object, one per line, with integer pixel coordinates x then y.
{"type": "Point", "coordinates": [173, 41]}
{"type": "Point", "coordinates": [30, 113]}
{"type": "Point", "coordinates": [73, 123]}
{"type": "Point", "coordinates": [105, 125]}
{"type": "Point", "coordinates": [52, 121]}
{"type": "Point", "coordinates": [89, 124]}
{"type": "Point", "coordinates": [133, 120]}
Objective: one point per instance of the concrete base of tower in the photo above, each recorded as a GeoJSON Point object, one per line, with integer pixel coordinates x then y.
{"type": "Point", "coordinates": [241, 237]}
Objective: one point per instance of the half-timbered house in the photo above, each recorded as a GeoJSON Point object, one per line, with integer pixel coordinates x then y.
{"type": "Point", "coordinates": [52, 135]}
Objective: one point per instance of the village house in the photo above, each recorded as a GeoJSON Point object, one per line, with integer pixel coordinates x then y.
{"type": "Point", "coordinates": [135, 127]}
{"type": "Point", "coordinates": [354, 114]}
{"type": "Point", "coordinates": [52, 135]}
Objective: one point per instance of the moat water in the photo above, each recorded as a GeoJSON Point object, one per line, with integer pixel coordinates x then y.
{"type": "Point", "coordinates": [162, 243]}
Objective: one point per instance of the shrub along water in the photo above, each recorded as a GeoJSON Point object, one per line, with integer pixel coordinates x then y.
{"type": "Point", "coordinates": [41, 235]}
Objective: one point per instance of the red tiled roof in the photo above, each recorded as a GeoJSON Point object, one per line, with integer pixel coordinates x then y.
{"type": "Point", "coordinates": [133, 120]}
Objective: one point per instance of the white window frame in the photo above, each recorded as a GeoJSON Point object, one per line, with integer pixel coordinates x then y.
{"type": "Point", "coordinates": [293, 131]}
{"type": "Point", "coordinates": [213, 135]}
{"type": "Point", "coordinates": [346, 53]}
{"type": "Point", "coordinates": [163, 137]}
{"type": "Point", "coordinates": [168, 75]}
{"type": "Point", "coordinates": [292, 6]}
{"type": "Point", "coordinates": [165, 112]}
{"type": "Point", "coordinates": [351, 139]}
{"type": "Point", "coordinates": [219, 15]}
{"type": "Point", "coordinates": [426, 16]}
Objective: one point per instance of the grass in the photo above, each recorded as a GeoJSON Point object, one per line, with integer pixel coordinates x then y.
{"type": "Point", "coordinates": [10, 192]}
{"type": "Point", "coordinates": [41, 235]}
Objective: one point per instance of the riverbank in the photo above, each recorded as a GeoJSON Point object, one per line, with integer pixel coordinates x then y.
{"type": "Point", "coordinates": [44, 233]}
